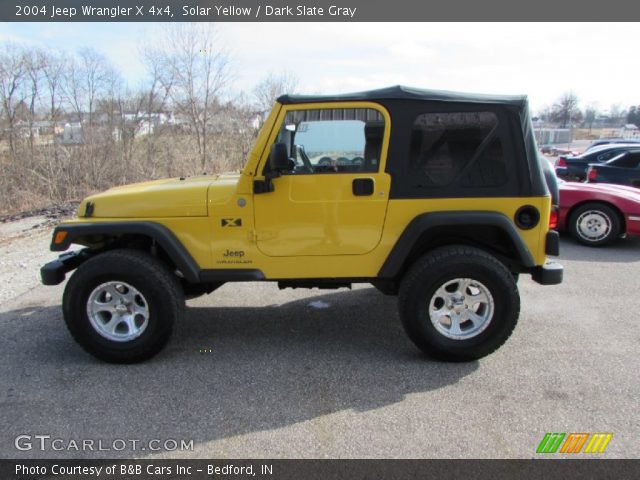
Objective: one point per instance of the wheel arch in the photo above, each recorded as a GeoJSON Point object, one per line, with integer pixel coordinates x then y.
{"type": "Point", "coordinates": [492, 232]}
{"type": "Point", "coordinates": [144, 235]}
{"type": "Point", "coordinates": [621, 217]}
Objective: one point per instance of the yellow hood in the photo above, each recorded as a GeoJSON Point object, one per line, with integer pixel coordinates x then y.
{"type": "Point", "coordinates": [156, 199]}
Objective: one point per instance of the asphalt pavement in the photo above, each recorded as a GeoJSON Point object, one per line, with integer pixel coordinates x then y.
{"type": "Point", "coordinates": [254, 372]}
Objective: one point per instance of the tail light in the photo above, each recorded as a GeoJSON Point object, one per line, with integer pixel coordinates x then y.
{"type": "Point", "coordinates": [562, 162]}
{"type": "Point", "coordinates": [553, 218]}
{"type": "Point", "coordinates": [592, 174]}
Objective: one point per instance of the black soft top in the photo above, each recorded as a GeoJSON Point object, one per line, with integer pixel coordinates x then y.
{"type": "Point", "coordinates": [404, 104]}
{"type": "Point", "coordinates": [400, 92]}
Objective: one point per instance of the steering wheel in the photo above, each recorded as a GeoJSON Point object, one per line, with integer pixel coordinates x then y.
{"type": "Point", "coordinates": [305, 159]}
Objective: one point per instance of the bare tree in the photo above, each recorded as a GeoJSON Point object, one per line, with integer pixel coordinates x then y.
{"type": "Point", "coordinates": [89, 76]}
{"type": "Point", "coordinates": [566, 110]}
{"type": "Point", "coordinates": [155, 95]}
{"type": "Point", "coordinates": [13, 70]}
{"type": "Point", "coordinates": [34, 67]}
{"type": "Point", "coordinates": [55, 165]}
{"type": "Point", "coordinates": [271, 87]}
{"type": "Point", "coordinates": [617, 113]}
{"type": "Point", "coordinates": [200, 72]}
{"type": "Point", "coordinates": [53, 73]}
{"type": "Point", "coordinates": [633, 115]}
{"type": "Point", "coordinates": [590, 115]}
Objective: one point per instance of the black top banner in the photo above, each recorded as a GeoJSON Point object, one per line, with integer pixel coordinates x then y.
{"type": "Point", "coordinates": [314, 10]}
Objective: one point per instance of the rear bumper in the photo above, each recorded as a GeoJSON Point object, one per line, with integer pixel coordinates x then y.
{"type": "Point", "coordinates": [54, 272]}
{"type": "Point", "coordinates": [550, 273]}
{"type": "Point", "coordinates": [552, 245]}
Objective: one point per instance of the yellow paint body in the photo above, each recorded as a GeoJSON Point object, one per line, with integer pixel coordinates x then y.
{"type": "Point", "coordinates": [310, 226]}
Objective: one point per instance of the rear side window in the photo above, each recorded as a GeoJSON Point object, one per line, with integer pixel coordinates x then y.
{"type": "Point", "coordinates": [627, 160]}
{"type": "Point", "coordinates": [603, 157]}
{"type": "Point", "coordinates": [457, 149]}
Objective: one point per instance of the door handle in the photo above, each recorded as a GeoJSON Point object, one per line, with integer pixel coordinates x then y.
{"type": "Point", "coordinates": [362, 187]}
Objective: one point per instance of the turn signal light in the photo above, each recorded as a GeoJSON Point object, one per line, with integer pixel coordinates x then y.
{"type": "Point", "coordinates": [553, 218]}
{"type": "Point", "coordinates": [60, 236]}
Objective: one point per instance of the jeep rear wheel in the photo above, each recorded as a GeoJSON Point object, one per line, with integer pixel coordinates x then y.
{"type": "Point", "coordinates": [120, 306]}
{"type": "Point", "coordinates": [459, 303]}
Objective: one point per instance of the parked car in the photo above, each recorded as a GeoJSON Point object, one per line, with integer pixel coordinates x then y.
{"type": "Point", "coordinates": [575, 167]}
{"type": "Point", "coordinates": [598, 214]}
{"type": "Point", "coordinates": [611, 141]}
{"type": "Point", "coordinates": [622, 170]}
{"type": "Point", "coordinates": [546, 149]}
{"type": "Point", "coordinates": [556, 150]}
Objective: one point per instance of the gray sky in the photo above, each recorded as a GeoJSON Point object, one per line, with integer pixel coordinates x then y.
{"type": "Point", "coordinates": [595, 60]}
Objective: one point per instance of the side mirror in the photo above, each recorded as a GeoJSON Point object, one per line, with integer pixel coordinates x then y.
{"type": "Point", "coordinates": [278, 161]}
{"type": "Point", "coordinates": [279, 158]}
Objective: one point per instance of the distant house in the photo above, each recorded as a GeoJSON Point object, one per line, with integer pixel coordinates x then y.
{"type": "Point", "coordinates": [22, 129]}
{"type": "Point", "coordinates": [71, 134]}
{"type": "Point", "coordinates": [145, 127]}
{"type": "Point", "coordinates": [630, 131]}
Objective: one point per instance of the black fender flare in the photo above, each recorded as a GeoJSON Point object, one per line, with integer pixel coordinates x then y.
{"type": "Point", "coordinates": [426, 221]}
{"type": "Point", "coordinates": [159, 233]}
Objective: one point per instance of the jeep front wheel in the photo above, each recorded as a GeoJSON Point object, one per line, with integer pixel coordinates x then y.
{"type": "Point", "coordinates": [459, 303]}
{"type": "Point", "coordinates": [120, 306]}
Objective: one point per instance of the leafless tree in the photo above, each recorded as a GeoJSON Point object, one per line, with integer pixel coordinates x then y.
{"type": "Point", "coordinates": [53, 73]}
{"type": "Point", "coordinates": [566, 110]}
{"type": "Point", "coordinates": [617, 113]}
{"type": "Point", "coordinates": [200, 72]}
{"type": "Point", "coordinates": [155, 95]}
{"type": "Point", "coordinates": [13, 71]}
{"type": "Point", "coordinates": [89, 76]}
{"type": "Point", "coordinates": [271, 87]}
{"type": "Point", "coordinates": [34, 73]}
{"type": "Point", "coordinates": [590, 115]}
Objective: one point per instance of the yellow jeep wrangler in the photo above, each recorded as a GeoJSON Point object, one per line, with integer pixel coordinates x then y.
{"type": "Point", "coordinates": [437, 197]}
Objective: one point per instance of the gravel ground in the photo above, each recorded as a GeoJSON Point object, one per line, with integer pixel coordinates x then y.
{"type": "Point", "coordinates": [24, 248]}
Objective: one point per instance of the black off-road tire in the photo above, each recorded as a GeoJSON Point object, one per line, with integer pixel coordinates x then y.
{"type": "Point", "coordinates": [601, 213]}
{"type": "Point", "coordinates": [160, 291]}
{"type": "Point", "coordinates": [440, 267]}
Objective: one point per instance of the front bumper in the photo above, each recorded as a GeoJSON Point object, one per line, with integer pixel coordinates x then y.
{"type": "Point", "coordinates": [550, 273]}
{"type": "Point", "coordinates": [54, 272]}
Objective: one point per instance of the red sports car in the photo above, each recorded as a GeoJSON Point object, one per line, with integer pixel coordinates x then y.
{"type": "Point", "coordinates": [598, 213]}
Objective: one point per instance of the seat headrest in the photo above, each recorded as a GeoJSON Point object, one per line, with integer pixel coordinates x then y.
{"type": "Point", "coordinates": [374, 130]}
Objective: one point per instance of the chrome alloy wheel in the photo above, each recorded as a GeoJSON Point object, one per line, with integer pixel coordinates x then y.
{"type": "Point", "coordinates": [593, 225]}
{"type": "Point", "coordinates": [118, 311]}
{"type": "Point", "coordinates": [461, 308]}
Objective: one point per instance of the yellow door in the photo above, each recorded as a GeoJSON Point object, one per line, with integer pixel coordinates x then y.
{"type": "Point", "coordinates": [333, 200]}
